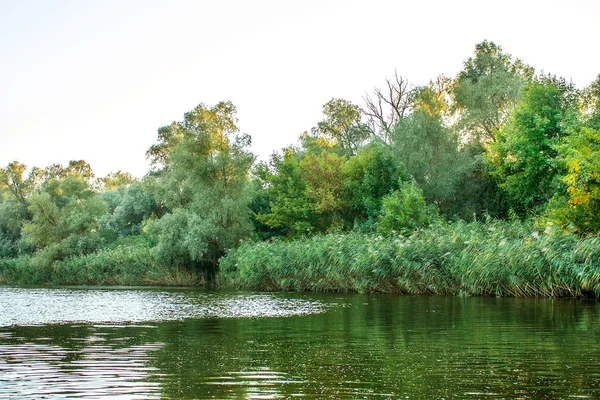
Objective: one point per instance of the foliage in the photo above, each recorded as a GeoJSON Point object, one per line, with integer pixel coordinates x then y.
{"type": "Point", "coordinates": [487, 89]}
{"type": "Point", "coordinates": [368, 177]}
{"type": "Point", "coordinates": [122, 265]}
{"type": "Point", "coordinates": [341, 128]}
{"type": "Point", "coordinates": [525, 156]}
{"type": "Point", "coordinates": [116, 180]}
{"type": "Point", "coordinates": [205, 187]}
{"type": "Point", "coordinates": [126, 212]}
{"type": "Point", "coordinates": [491, 258]}
{"type": "Point", "coordinates": [324, 177]}
{"type": "Point", "coordinates": [430, 150]}
{"type": "Point", "coordinates": [290, 208]}
{"type": "Point", "coordinates": [580, 207]}
{"type": "Point", "coordinates": [12, 216]}
{"type": "Point", "coordinates": [69, 207]}
{"type": "Point", "coordinates": [14, 179]}
{"type": "Point", "coordinates": [404, 210]}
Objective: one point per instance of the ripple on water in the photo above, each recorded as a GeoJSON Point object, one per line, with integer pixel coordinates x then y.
{"type": "Point", "coordinates": [33, 370]}
{"type": "Point", "coordinates": [20, 306]}
{"type": "Point", "coordinates": [99, 365]}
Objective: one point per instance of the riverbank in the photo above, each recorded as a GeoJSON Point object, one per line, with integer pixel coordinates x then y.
{"type": "Point", "coordinates": [488, 259]}
{"type": "Point", "coordinates": [495, 258]}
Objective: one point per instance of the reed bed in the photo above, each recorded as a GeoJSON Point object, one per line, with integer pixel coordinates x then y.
{"type": "Point", "coordinates": [493, 258]}
{"type": "Point", "coordinates": [122, 265]}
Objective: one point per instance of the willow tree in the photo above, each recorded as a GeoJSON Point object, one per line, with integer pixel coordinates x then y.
{"type": "Point", "coordinates": [201, 178]}
{"type": "Point", "coordinates": [487, 89]}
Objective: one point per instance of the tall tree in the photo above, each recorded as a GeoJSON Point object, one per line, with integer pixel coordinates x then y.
{"type": "Point", "coordinates": [205, 186]}
{"type": "Point", "coordinates": [525, 154]}
{"type": "Point", "coordinates": [487, 89]}
{"type": "Point", "coordinates": [21, 185]}
{"type": "Point", "coordinates": [429, 149]}
{"type": "Point", "coordinates": [388, 106]}
{"type": "Point", "coordinates": [342, 127]}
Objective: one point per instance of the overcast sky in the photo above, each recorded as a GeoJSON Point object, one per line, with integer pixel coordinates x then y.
{"type": "Point", "coordinates": [95, 80]}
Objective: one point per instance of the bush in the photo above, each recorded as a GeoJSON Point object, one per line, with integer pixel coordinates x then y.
{"type": "Point", "coordinates": [404, 210]}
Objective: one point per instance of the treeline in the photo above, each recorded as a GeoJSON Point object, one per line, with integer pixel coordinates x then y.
{"type": "Point", "coordinates": [496, 142]}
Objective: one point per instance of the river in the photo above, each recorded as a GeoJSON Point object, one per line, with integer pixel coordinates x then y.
{"type": "Point", "coordinates": [139, 343]}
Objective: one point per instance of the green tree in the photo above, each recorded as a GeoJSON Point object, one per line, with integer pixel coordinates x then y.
{"type": "Point", "coordinates": [368, 177]}
{"type": "Point", "coordinates": [324, 177]}
{"type": "Point", "coordinates": [205, 186]}
{"type": "Point", "coordinates": [116, 180]}
{"type": "Point", "coordinates": [591, 104]}
{"type": "Point", "coordinates": [18, 183]}
{"type": "Point", "coordinates": [579, 206]}
{"type": "Point", "coordinates": [12, 216]}
{"type": "Point", "coordinates": [487, 89]}
{"type": "Point", "coordinates": [290, 209]}
{"type": "Point", "coordinates": [342, 127]}
{"type": "Point", "coordinates": [127, 211]}
{"type": "Point", "coordinates": [68, 207]}
{"type": "Point", "coordinates": [429, 149]}
{"type": "Point", "coordinates": [525, 155]}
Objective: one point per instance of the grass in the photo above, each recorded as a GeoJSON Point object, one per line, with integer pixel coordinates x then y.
{"type": "Point", "coordinates": [494, 258]}
{"type": "Point", "coordinates": [122, 265]}
{"type": "Point", "coordinates": [480, 258]}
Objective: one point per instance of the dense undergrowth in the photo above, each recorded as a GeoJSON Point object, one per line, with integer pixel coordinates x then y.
{"type": "Point", "coordinates": [493, 258]}
{"type": "Point", "coordinates": [122, 265]}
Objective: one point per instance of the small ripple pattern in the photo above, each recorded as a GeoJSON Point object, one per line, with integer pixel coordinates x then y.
{"type": "Point", "coordinates": [41, 371]}
{"type": "Point", "coordinates": [19, 306]}
{"type": "Point", "coordinates": [196, 344]}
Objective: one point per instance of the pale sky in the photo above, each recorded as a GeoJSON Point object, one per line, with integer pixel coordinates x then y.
{"type": "Point", "coordinates": [94, 80]}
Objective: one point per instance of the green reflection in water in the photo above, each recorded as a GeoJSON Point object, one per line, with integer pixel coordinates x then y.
{"type": "Point", "coordinates": [371, 346]}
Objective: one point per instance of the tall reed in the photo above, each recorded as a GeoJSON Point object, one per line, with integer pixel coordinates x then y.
{"type": "Point", "coordinates": [122, 265]}
{"type": "Point", "coordinates": [479, 258]}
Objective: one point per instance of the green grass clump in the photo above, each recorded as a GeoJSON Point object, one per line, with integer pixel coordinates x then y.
{"type": "Point", "coordinates": [479, 258]}
{"type": "Point", "coordinates": [121, 265]}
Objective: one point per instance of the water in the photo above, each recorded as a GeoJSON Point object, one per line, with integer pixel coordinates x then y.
{"type": "Point", "coordinates": [158, 343]}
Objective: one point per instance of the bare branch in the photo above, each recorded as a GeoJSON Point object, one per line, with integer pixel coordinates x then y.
{"type": "Point", "coordinates": [388, 108]}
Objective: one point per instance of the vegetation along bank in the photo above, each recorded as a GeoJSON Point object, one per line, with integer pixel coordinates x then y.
{"type": "Point", "coordinates": [486, 183]}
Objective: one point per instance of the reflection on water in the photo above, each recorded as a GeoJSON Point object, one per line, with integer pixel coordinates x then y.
{"type": "Point", "coordinates": [42, 306]}
{"type": "Point", "coordinates": [332, 346]}
{"type": "Point", "coordinates": [35, 368]}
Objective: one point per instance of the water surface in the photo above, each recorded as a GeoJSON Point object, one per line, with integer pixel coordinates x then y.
{"type": "Point", "coordinates": [158, 343]}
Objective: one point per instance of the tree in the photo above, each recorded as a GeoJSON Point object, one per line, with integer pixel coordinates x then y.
{"type": "Point", "coordinates": [525, 154]}
{"type": "Point", "coordinates": [342, 127]}
{"type": "Point", "coordinates": [591, 104]}
{"type": "Point", "coordinates": [368, 177]}
{"type": "Point", "coordinates": [487, 89]}
{"type": "Point", "coordinates": [204, 185]}
{"type": "Point", "coordinates": [429, 149]}
{"type": "Point", "coordinates": [20, 185]}
{"type": "Point", "coordinates": [12, 216]}
{"type": "Point", "coordinates": [579, 206]}
{"type": "Point", "coordinates": [324, 177]}
{"type": "Point", "coordinates": [290, 209]}
{"type": "Point", "coordinates": [126, 212]}
{"type": "Point", "coordinates": [116, 180]}
{"type": "Point", "coordinates": [67, 207]}
{"type": "Point", "coordinates": [388, 106]}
